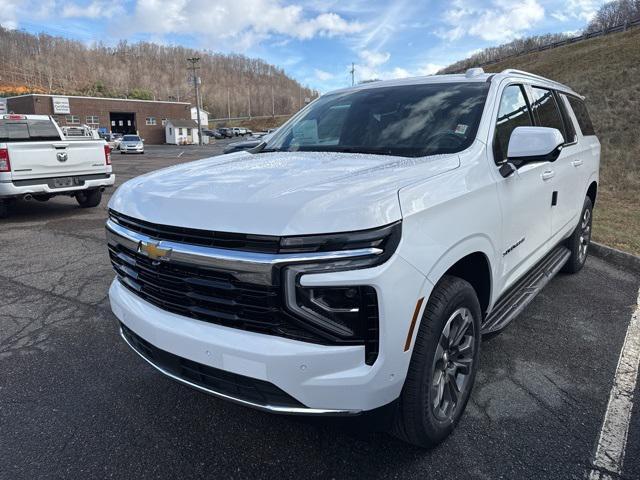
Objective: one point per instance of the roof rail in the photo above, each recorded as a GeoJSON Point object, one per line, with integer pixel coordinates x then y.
{"type": "Point", "coordinates": [532, 75]}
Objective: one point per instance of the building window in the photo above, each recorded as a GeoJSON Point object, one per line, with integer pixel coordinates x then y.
{"type": "Point", "coordinates": [72, 119]}
{"type": "Point", "coordinates": [170, 131]}
{"type": "Point", "coordinates": [164, 122]}
{"type": "Point", "coordinates": [151, 121]}
{"type": "Point", "coordinates": [180, 131]}
{"type": "Point", "coordinates": [93, 120]}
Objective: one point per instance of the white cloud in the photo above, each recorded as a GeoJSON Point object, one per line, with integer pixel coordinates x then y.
{"type": "Point", "coordinates": [502, 21]}
{"type": "Point", "coordinates": [374, 59]}
{"type": "Point", "coordinates": [583, 10]}
{"type": "Point", "coordinates": [9, 13]}
{"type": "Point", "coordinates": [94, 9]}
{"type": "Point", "coordinates": [237, 24]}
{"type": "Point", "coordinates": [429, 69]}
{"type": "Point", "coordinates": [322, 75]}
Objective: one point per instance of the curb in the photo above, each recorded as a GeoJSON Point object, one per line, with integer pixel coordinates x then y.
{"type": "Point", "coordinates": [615, 256]}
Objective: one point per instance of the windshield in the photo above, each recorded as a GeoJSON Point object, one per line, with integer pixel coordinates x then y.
{"type": "Point", "coordinates": [131, 138]}
{"type": "Point", "coordinates": [27, 130]}
{"type": "Point", "coordinates": [410, 121]}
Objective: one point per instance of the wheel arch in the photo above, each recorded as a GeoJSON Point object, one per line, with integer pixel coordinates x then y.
{"type": "Point", "coordinates": [592, 192]}
{"type": "Point", "coordinates": [469, 260]}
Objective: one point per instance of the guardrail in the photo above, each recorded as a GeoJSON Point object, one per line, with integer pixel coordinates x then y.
{"type": "Point", "coordinates": [616, 29]}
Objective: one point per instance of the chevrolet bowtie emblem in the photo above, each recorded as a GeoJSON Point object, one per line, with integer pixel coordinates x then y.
{"type": "Point", "coordinates": [154, 251]}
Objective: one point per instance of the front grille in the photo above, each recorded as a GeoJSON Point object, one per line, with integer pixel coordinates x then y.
{"type": "Point", "coordinates": [231, 384]}
{"type": "Point", "coordinates": [205, 294]}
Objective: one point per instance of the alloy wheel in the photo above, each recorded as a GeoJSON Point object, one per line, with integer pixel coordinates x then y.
{"type": "Point", "coordinates": [585, 235]}
{"type": "Point", "coordinates": [453, 364]}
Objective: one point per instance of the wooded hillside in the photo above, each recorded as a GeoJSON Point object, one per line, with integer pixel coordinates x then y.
{"type": "Point", "coordinates": [47, 64]}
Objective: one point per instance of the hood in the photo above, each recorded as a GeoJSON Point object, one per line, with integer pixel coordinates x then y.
{"type": "Point", "coordinates": [279, 193]}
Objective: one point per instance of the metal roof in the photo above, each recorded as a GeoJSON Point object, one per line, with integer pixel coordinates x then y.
{"type": "Point", "coordinates": [182, 123]}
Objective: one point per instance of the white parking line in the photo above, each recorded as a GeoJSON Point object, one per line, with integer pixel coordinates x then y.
{"type": "Point", "coordinates": [609, 454]}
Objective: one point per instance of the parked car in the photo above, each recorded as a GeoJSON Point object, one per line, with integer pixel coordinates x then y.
{"type": "Point", "coordinates": [226, 132]}
{"type": "Point", "coordinates": [38, 161]}
{"type": "Point", "coordinates": [212, 133]}
{"type": "Point", "coordinates": [353, 268]}
{"type": "Point", "coordinates": [116, 139]}
{"type": "Point", "coordinates": [131, 144]}
{"type": "Point", "coordinates": [239, 131]}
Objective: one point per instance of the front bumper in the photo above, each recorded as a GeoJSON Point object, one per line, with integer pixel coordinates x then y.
{"type": "Point", "coordinates": [9, 188]}
{"type": "Point", "coordinates": [138, 149]}
{"type": "Point", "coordinates": [326, 380]}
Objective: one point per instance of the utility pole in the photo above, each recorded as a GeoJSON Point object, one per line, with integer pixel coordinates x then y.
{"type": "Point", "coordinates": [353, 71]}
{"type": "Point", "coordinates": [228, 104]}
{"type": "Point", "coordinates": [273, 103]}
{"type": "Point", "coordinates": [249, 92]}
{"type": "Point", "coordinates": [194, 61]}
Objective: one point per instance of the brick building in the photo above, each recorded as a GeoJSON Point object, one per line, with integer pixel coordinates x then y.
{"type": "Point", "coordinates": [116, 115]}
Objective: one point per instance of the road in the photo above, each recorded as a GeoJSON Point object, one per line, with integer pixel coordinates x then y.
{"type": "Point", "coordinates": [75, 402]}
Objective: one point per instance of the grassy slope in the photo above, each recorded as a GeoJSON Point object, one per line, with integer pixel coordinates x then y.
{"type": "Point", "coordinates": [607, 71]}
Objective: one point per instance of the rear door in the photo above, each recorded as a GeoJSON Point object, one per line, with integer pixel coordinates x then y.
{"type": "Point", "coordinates": [524, 196]}
{"type": "Point", "coordinates": [564, 196]}
{"type": "Point", "coordinates": [36, 150]}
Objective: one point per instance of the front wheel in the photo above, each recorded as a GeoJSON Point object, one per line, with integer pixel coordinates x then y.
{"type": "Point", "coordinates": [89, 198]}
{"type": "Point", "coordinates": [443, 365]}
{"type": "Point", "coordinates": [579, 241]}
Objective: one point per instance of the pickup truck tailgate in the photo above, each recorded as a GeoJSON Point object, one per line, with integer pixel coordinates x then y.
{"type": "Point", "coordinates": [56, 159]}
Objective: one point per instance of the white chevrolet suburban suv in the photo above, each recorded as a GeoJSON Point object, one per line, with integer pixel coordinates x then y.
{"type": "Point", "coordinates": [38, 161]}
{"type": "Point", "coordinates": [352, 262]}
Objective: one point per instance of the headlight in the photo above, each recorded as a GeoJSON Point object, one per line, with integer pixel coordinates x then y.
{"type": "Point", "coordinates": [347, 313]}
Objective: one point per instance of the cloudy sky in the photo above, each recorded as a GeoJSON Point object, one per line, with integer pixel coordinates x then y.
{"type": "Point", "coordinates": [314, 41]}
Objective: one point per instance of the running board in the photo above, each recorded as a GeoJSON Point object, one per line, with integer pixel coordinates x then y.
{"type": "Point", "coordinates": [511, 304]}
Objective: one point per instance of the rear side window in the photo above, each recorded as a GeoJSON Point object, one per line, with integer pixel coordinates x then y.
{"type": "Point", "coordinates": [27, 130]}
{"type": "Point", "coordinates": [584, 120]}
{"type": "Point", "coordinates": [513, 112]}
{"type": "Point", "coordinates": [546, 110]}
{"type": "Point", "coordinates": [566, 118]}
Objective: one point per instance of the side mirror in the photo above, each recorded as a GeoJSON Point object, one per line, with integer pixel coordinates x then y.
{"type": "Point", "coordinates": [534, 144]}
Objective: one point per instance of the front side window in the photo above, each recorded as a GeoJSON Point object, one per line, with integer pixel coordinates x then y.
{"type": "Point", "coordinates": [513, 112]}
{"type": "Point", "coordinates": [546, 110]}
{"type": "Point", "coordinates": [409, 121]}
{"type": "Point", "coordinates": [582, 115]}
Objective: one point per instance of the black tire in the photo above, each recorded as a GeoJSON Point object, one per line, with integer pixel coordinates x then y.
{"type": "Point", "coordinates": [418, 421]}
{"type": "Point", "coordinates": [42, 198]}
{"type": "Point", "coordinates": [5, 208]}
{"type": "Point", "coordinates": [578, 242]}
{"type": "Point", "coordinates": [121, 152]}
{"type": "Point", "coordinates": [89, 198]}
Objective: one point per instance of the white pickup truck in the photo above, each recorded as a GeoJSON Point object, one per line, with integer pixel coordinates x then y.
{"type": "Point", "coordinates": [353, 261]}
{"type": "Point", "coordinates": [38, 161]}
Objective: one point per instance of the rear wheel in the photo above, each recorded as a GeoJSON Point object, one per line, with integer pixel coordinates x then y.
{"type": "Point", "coordinates": [5, 208]}
{"type": "Point", "coordinates": [89, 198]}
{"type": "Point", "coordinates": [443, 365]}
{"type": "Point", "coordinates": [578, 242]}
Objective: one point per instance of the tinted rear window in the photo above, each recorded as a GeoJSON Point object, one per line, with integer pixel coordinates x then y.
{"type": "Point", "coordinates": [546, 110]}
{"type": "Point", "coordinates": [27, 130]}
{"type": "Point", "coordinates": [584, 120]}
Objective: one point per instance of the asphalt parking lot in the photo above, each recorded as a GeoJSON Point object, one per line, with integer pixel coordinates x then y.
{"type": "Point", "coordinates": [75, 402]}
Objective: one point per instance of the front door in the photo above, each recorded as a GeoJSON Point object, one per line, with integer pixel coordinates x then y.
{"type": "Point", "coordinates": [525, 196]}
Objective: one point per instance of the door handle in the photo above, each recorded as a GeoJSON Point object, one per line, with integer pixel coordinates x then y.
{"type": "Point", "coordinates": [577, 163]}
{"type": "Point", "coordinates": [548, 174]}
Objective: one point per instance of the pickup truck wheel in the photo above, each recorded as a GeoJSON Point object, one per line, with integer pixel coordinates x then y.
{"type": "Point", "coordinates": [443, 365]}
{"type": "Point", "coordinates": [5, 209]}
{"type": "Point", "coordinates": [578, 242]}
{"type": "Point", "coordinates": [89, 198]}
